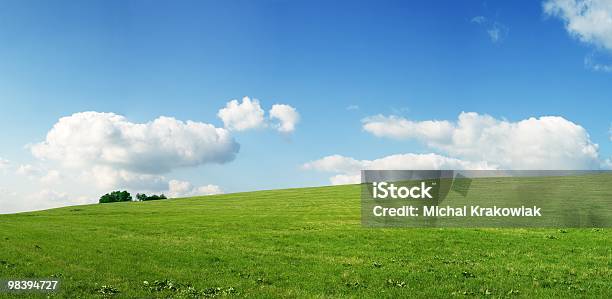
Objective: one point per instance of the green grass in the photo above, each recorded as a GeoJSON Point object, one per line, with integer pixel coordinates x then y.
{"type": "Point", "coordinates": [293, 243]}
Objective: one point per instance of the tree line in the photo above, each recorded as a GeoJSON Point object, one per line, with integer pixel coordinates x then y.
{"type": "Point", "coordinates": [120, 196]}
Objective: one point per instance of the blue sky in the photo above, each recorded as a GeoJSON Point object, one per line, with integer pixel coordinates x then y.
{"type": "Point", "coordinates": [416, 60]}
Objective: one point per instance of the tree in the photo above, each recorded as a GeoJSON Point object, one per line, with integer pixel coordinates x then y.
{"type": "Point", "coordinates": [116, 196]}
{"type": "Point", "coordinates": [144, 197]}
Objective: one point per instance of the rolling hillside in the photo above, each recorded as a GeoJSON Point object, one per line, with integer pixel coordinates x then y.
{"type": "Point", "coordinates": [305, 242]}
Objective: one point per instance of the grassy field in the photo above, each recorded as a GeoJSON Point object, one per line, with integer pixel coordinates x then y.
{"type": "Point", "coordinates": [291, 243]}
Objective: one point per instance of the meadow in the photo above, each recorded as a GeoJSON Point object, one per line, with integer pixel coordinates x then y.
{"type": "Point", "coordinates": [304, 243]}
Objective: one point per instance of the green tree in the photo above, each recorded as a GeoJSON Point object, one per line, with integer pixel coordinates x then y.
{"type": "Point", "coordinates": [116, 196]}
{"type": "Point", "coordinates": [144, 197]}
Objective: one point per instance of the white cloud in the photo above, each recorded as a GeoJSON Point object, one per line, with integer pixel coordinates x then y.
{"type": "Point", "coordinates": [242, 116]}
{"type": "Point", "coordinates": [106, 151]}
{"type": "Point", "coordinates": [13, 202]}
{"type": "Point", "coordinates": [400, 128]}
{"type": "Point", "coordinates": [345, 179]}
{"type": "Point", "coordinates": [46, 176]}
{"type": "Point", "coordinates": [590, 21]}
{"type": "Point", "coordinates": [108, 178]}
{"type": "Point", "coordinates": [352, 107]}
{"type": "Point", "coordinates": [48, 195]}
{"type": "Point", "coordinates": [607, 164]}
{"type": "Point", "coordinates": [337, 163]}
{"type": "Point", "coordinates": [208, 190]}
{"type": "Point", "coordinates": [51, 177]}
{"type": "Point", "coordinates": [93, 153]}
{"type": "Point", "coordinates": [88, 139]}
{"type": "Point", "coordinates": [178, 188]}
{"type": "Point", "coordinates": [348, 169]}
{"type": "Point", "coordinates": [496, 31]}
{"type": "Point", "coordinates": [10, 202]}
{"type": "Point", "coordinates": [548, 142]}
{"type": "Point", "coordinates": [30, 171]}
{"type": "Point", "coordinates": [247, 115]}
{"type": "Point", "coordinates": [4, 164]}
{"type": "Point", "coordinates": [287, 116]}
{"type": "Point", "coordinates": [47, 198]}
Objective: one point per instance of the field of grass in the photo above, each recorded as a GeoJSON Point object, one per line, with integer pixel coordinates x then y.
{"type": "Point", "coordinates": [305, 242]}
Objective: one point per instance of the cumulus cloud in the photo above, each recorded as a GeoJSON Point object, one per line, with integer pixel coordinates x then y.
{"type": "Point", "coordinates": [287, 117]}
{"type": "Point", "coordinates": [548, 142]}
{"type": "Point", "coordinates": [590, 21]}
{"type": "Point", "coordinates": [109, 152]}
{"type": "Point", "coordinates": [347, 169]}
{"type": "Point", "coordinates": [242, 116]}
{"type": "Point", "coordinates": [92, 152]}
{"type": "Point", "coordinates": [178, 188]}
{"type": "Point", "coordinates": [247, 115]}
{"type": "Point", "coordinates": [496, 31]}
{"type": "Point", "coordinates": [90, 139]}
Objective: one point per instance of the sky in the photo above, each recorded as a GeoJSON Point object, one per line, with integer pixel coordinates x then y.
{"type": "Point", "coordinates": [204, 97]}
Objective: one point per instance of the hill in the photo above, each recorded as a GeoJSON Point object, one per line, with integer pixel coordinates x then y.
{"type": "Point", "coordinates": [305, 242]}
